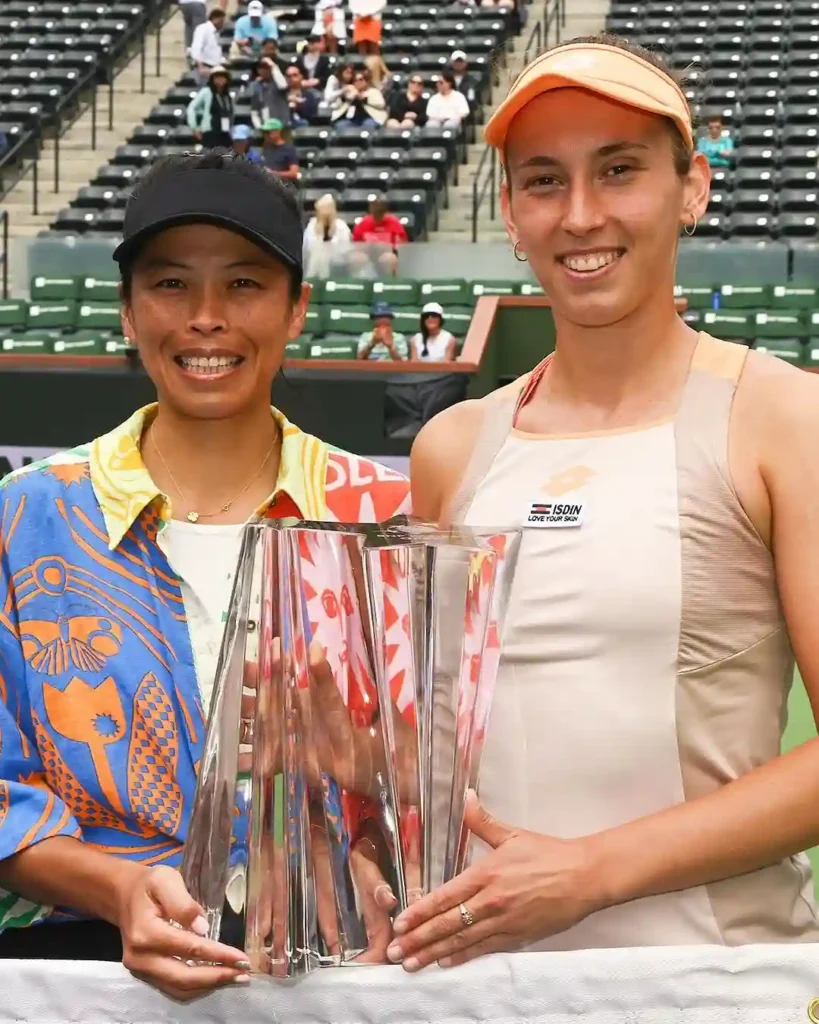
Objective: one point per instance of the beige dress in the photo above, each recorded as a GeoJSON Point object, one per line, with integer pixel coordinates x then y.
{"type": "Point", "coordinates": [646, 660]}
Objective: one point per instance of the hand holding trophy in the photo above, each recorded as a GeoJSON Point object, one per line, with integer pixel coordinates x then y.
{"type": "Point", "coordinates": [351, 700]}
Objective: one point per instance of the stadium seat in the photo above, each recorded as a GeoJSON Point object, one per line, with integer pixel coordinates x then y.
{"type": "Point", "coordinates": [333, 348]}
{"type": "Point", "coordinates": [451, 292]}
{"type": "Point", "coordinates": [60, 314]}
{"type": "Point", "coordinates": [46, 288]}
{"type": "Point", "coordinates": [347, 292]}
{"type": "Point", "coordinates": [478, 288]}
{"type": "Point", "coordinates": [789, 349]}
{"type": "Point", "coordinates": [98, 315]}
{"type": "Point", "coordinates": [80, 343]}
{"type": "Point", "coordinates": [397, 292]}
{"type": "Point", "coordinates": [95, 290]}
{"type": "Point", "coordinates": [13, 313]}
{"type": "Point", "coordinates": [697, 296]}
{"type": "Point", "coordinates": [531, 288]}
{"type": "Point", "coordinates": [734, 296]}
{"type": "Point", "coordinates": [779, 324]}
{"type": "Point", "coordinates": [729, 323]}
{"type": "Point", "coordinates": [30, 343]}
{"type": "Point", "coordinates": [787, 297]}
{"type": "Point", "coordinates": [315, 320]}
{"type": "Point", "coordinates": [298, 349]}
{"type": "Point", "coordinates": [347, 319]}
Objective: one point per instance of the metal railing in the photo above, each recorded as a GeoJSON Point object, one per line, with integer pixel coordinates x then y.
{"type": "Point", "coordinates": [4, 253]}
{"type": "Point", "coordinates": [84, 96]}
{"type": "Point", "coordinates": [546, 31]}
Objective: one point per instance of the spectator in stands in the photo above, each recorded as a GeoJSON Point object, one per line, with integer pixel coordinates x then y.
{"type": "Point", "coordinates": [251, 30]}
{"type": "Point", "coordinates": [448, 108]}
{"type": "Point", "coordinates": [377, 68]}
{"type": "Point", "coordinates": [210, 112]}
{"type": "Point", "coordinates": [270, 48]}
{"type": "Point", "coordinates": [360, 103]}
{"type": "Point", "coordinates": [314, 63]}
{"type": "Point", "coordinates": [330, 22]}
{"type": "Point", "coordinates": [337, 82]}
{"type": "Point", "coordinates": [408, 108]}
{"type": "Point", "coordinates": [367, 24]}
{"type": "Point", "coordinates": [302, 103]}
{"type": "Point", "coordinates": [717, 144]}
{"type": "Point", "coordinates": [465, 82]}
{"type": "Point", "coordinates": [381, 228]}
{"type": "Point", "coordinates": [432, 342]}
{"type": "Point", "coordinates": [206, 47]}
{"type": "Point", "coordinates": [382, 342]}
{"type": "Point", "coordinates": [279, 157]}
{"type": "Point", "coordinates": [242, 138]}
{"type": "Point", "coordinates": [327, 240]}
{"type": "Point", "coordinates": [268, 93]}
{"type": "Point", "coordinates": [194, 13]}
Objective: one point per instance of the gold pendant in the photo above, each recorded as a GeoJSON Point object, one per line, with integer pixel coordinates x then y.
{"type": "Point", "coordinates": [193, 517]}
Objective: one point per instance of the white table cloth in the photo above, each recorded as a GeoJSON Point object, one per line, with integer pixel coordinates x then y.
{"type": "Point", "coordinates": [666, 985]}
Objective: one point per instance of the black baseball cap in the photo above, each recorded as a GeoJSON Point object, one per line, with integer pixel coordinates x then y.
{"type": "Point", "coordinates": [197, 192]}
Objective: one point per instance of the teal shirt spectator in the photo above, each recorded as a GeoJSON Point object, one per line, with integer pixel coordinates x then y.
{"type": "Point", "coordinates": [265, 27]}
{"type": "Point", "coordinates": [717, 151]}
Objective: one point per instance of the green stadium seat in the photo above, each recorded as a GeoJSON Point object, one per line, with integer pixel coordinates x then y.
{"type": "Point", "coordinates": [100, 315]}
{"type": "Point", "coordinates": [62, 314]}
{"type": "Point", "coordinates": [531, 288]}
{"type": "Point", "coordinates": [812, 352]}
{"type": "Point", "coordinates": [779, 324]}
{"type": "Point", "coordinates": [98, 291]}
{"type": "Point", "coordinates": [744, 296]}
{"type": "Point", "coordinates": [697, 296]}
{"type": "Point", "coordinates": [693, 317]}
{"type": "Point", "coordinates": [396, 292]}
{"type": "Point", "coordinates": [316, 289]}
{"type": "Point", "coordinates": [449, 292]}
{"type": "Point", "coordinates": [407, 321]}
{"type": "Point", "coordinates": [786, 297]}
{"type": "Point", "coordinates": [789, 349]}
{"type": "Point", "coordinates": [479, 288]}
{"type": "Point", "coordinates": [316, 320]}
{"type": "Point", "coordinates": [333, 348]}
{"type": "Point", "coordinates": [298, 349]}
{"type": "Point", "coordinates": [30, 343]}
{"type": "Point", "coordinates": [729, 323]}
{"type": "Point", "coordinates": [13, 312]}
{"type": "Point", "coordinates": [347, 319]}
{"type": "Point", "coordinates": [813, 321]}
{"type": "Point", "coordinates": [116, 345]}
{"type": "Point", "coordinates": [54, 288]}
{"type": "Point", "coordinates": [347, 292]}
{"type": "Point", "coordinates": [81, 343]}
{"type": "Point", "coordinates": [457, 320]}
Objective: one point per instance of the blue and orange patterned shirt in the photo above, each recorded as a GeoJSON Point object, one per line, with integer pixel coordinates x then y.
{"type": "Point", "coordinates": [101, 718]}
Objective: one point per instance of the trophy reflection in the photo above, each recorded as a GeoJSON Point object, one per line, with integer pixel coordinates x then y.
{"type": "Point", "coordinates": [351, 701]}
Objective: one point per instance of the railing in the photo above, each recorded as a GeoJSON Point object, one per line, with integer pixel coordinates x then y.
{"type": "Point", "coordinates": [4, 254]}
{"type": "Point", "coordinates": [546, 31]}
{"type": "Point", "coordinates": [26, 154]}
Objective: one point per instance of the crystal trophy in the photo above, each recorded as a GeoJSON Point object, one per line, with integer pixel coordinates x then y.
{"type": "Point", "coordinates": [350, 705]}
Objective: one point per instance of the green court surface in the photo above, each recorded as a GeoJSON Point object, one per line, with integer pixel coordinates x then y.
{"type": "Point", "coordinates": [800, 728]}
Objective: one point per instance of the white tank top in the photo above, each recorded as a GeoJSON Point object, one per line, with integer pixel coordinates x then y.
{"type": "Point", "coordinates": [436, 346]}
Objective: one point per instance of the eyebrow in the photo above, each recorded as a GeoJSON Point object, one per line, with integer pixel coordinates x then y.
{"type": "Point", "coordinates": [160, 263]}
{"type": "Point", "coordinates": [543, 160]}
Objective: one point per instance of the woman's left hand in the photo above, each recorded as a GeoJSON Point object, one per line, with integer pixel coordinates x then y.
{"type": "Point", "coordinates": [531, 886]}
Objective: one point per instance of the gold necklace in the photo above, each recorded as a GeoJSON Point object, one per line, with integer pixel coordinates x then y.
{"type": "Point", "coordinates": [194, 517]}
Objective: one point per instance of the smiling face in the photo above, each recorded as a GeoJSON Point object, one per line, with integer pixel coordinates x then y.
{"type": "Point", "coordinates": [595, 202]}
{"type": "Point", "coordinates": [211, 314]}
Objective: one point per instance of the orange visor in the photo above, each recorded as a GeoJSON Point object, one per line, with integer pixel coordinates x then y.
{"type": "Point", "coordinates": [606, 70]}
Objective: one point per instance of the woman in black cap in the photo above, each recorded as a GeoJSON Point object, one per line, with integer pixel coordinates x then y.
{"type": "Point", "coordinates": [117, 559]}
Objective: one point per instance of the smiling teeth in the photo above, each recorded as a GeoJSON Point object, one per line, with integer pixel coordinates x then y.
{"type": "Point", "coordinates": [208, 364]}
{"type": "Point", "coordinates": [589, 262]}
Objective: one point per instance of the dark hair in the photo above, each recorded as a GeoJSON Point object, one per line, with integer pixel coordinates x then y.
{"type": "Point", "coordinates": [682, 152]}
{"type": "Point", "coordinates": [236, 169]}
{"type": "Point", "coordinates": [713, 117]}
{"type": "Point", "coordinates": [447, 76]}
{"type": "Point", "coordinates": [216, 14]}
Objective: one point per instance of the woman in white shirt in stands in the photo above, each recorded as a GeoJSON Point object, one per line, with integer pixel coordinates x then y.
{"type": "Point", "coordinates": [432, 343]}
{"type": "Point", "coordinates": [448, 107]}
{"type": "Point", "coordinates": [327, 239]}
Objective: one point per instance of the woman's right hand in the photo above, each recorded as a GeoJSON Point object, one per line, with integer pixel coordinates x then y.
{"type": "Point", "coordinates": [159, 952]}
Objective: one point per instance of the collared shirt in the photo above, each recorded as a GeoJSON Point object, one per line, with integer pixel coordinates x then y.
{"type": "Point", "coordinates": [102, 720]}
{"type": "Point", "coordinates": [206, 47]}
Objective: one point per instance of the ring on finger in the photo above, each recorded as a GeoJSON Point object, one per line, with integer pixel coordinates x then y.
{"type": "Point", "coordinates": [466, 915]}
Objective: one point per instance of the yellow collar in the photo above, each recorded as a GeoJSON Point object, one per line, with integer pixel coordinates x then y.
{"type": "Point", "coordinates": [124, 487]}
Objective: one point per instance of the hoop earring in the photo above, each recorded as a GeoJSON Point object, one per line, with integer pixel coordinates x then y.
{"type": "Point", "coordinates": [692, 225]}
{"type": "Point", "coordinates": [517, 255]}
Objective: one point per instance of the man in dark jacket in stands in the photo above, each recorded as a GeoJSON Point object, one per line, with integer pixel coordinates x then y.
{"type": "Point", "coordinates": [268, 93]}
{"type": "Point", "coordinates": [465, 82]}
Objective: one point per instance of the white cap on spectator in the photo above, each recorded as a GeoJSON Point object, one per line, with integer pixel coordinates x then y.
{"type": "Point", "coordinates": [433, 307]}
{"type": "Point", "coordinates": [255, 8]}
{"type": "Point", "coordinates": [458, 55]}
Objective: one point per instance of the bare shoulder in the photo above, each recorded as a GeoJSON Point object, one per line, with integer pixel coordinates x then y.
{"type": "Point", "coordinates": [779, 406]}
{"type": "Point", "coordinates": [442, 450]}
